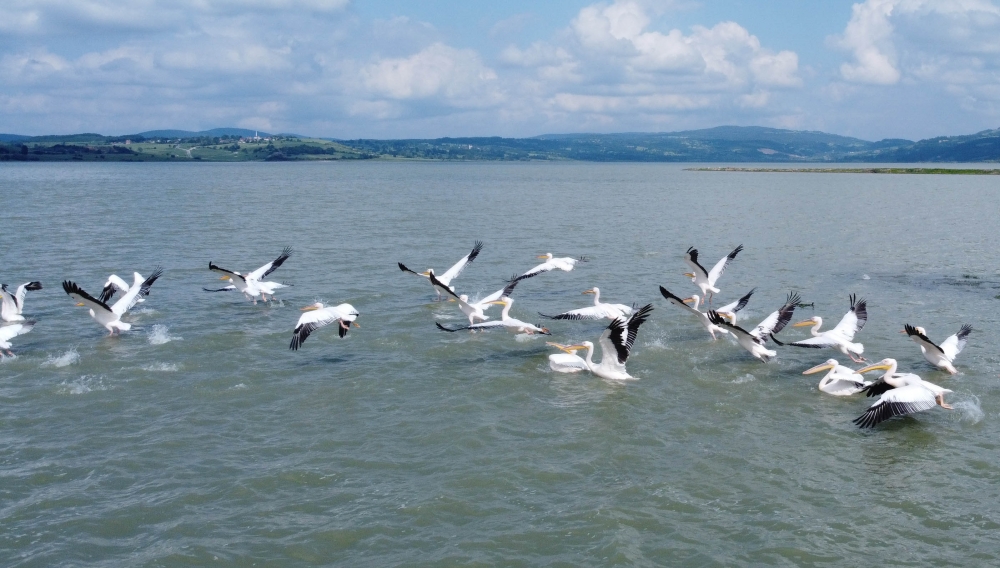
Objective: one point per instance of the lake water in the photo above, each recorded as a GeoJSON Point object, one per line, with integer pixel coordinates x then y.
{"type": "Point", "coordinates": [199, 439]}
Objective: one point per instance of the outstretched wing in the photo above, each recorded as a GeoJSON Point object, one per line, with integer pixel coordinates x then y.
{"type": "Point", "coordinates": [483, 325]}
{"type": "Point", "coordinates": [897, 402]}
{"type": "Point", "coordinates": [459, 266]}
{"type": "Point", "coordinates": [854, 320]}
{"type": "Point", "coordinates": [720, 266]}
{"type": "Point", "coordinates": [12, 330]}
{"type": "Point", "coordinates": [270, 267]}
{"type": "Point", "coordinates": [78, 294]}
{"type": "Point", "coordinates": [10, 304]}
{"type": "Point", "coordinates": [623, 333]}
{"type": "Point", "coordinates": [229, 288]}
{"type": "Point", "coordinates": [135, 293]}
{"type": "Point", "coordinates": [312, 321]}
{"type": "Point", "coordinates": [677, 301]}
{"type": "Point", "coordinates": [777, 320]}
{"type": "Point", "coordinates": [504, 292]}
{"type": "Point", "coordinates": [733, 307]}
{"type": "Point", "coordinates": [113, 285]}
{"type": "Point", "coordinates": [226, 271]}
{"type": "Point", "coordinates": [922, 339]}
{"type": "Point", "coordinates": [691, 258]}
{"type": "Point", "coordinates": [956, 343]}
{"type": "Point", "coordinates": [24, 289]}
{"type": "Point", "coordinates": [405, 269]}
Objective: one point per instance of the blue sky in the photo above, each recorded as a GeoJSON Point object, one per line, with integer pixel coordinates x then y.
{"type": "Point", "coordinates": [388, 69]}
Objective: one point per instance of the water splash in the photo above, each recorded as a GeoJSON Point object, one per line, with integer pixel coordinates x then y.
{"type": "Point", "coordinates": [240, 386]}
{"type": "Point", "coordinates": [865, 277]}
{"type": "Point", "coordinates": [68, 358]}
{"type": "Point", "coordinates": [162, 367]}
{"type": "Point", "coordinates": [159, 335]}
{"type": "Point", "coordinates": [969, 410]}
{"type": "Point", "coordinates": [744, 379]}
{"type": "Point", "coordinates": [83, 385]}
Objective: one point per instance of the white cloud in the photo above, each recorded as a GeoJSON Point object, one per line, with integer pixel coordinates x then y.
{"type": "Point", "coordinates": [455, 76]}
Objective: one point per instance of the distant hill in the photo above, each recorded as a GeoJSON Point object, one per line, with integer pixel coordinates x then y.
{"type": "Point", "coordinates": [12, 137]}
{"type": "Point", "coordinates": [213, 133]}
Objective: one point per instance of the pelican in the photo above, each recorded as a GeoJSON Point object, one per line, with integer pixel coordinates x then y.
{"type": "Point", "coordinates": [110, 316]}
{"type": "Point", "coordinates": [11, 305]}
{"type": "Point", "coordinates": [250, 284]}
{"type": "Point", "coordinates": [117, 284]}
{"type": "Point", "coordinates": [729, 310]}
{"type": "Point", "coordinates": [616, 345]}
{"type": "Point", "coordinates": [565, 264]}
{"type": "Point", "coordinates": [599, 310]}
{"type": "Point", "coordinates": [902, 394]}
{"type": "Point", "coordinates": [839, 380]}
{"type": "Point", "coordinates": [941, 356]}
{"type": "Point", "coordinates": [505, 321]}
{"type": "Point", "coordinates": [11, 330]}
{"type": "Point", "coordinates": [451, 273]}
{"type": "Point", "coordinates": [267, 287]}
{"type": "Point", "coordinates": [840, 337]}
{"type": "Point", "coordinates": [705, 279]}
{"type": "Point", "coordinates": [475, 310]}
{"type": "Point", "coordinates": [755, 341]}
{"type": "Point", "coordinates": [317, 315]}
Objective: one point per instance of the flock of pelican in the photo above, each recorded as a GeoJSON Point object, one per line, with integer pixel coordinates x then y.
{"type": "Point", "coordinates": [899, 393]}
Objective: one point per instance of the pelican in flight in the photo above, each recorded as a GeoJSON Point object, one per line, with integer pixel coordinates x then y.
{"type": "Point", "coordinates": [706, 279]}
{"type": "Point", "coordinates": [251, 284]}
{"type": "Point", "coordinates": [616, 346]}
{"type": "Point", "coordinates": [729, 310]}
{"type": "Point", "coordinates": [265, 288]}
{"type": "Point", "coordinates": [475, 310]}
{"type": "Point", "coordinates": [839, 380]}
{"type": "Point", "coordinates": [11, 305]}
{"type": "Point", "coordinates": [941, 356]}
{"type": "Point", "coordinates": [505, 322]}
{"type": "Point", "coordinates": [451, 273]}
{"type": "Point", "coordinates": [565, 264]}
{"type": "Point", "coordinates": [11, 330]}
{"type": "Point", "coordinates": [599, 310]}
{"type": "Point", "coordinates": [755, 341]}
{"type": "Point", "coordinates": [901, 394]}
{"type": "Point", "coordinates": [840, 337]}
{"type": "Point", "coordinates": [317, 315]}
{"type": "Point", "coordinates": [110, 316]}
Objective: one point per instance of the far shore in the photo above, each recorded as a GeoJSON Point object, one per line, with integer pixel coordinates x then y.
{"type": "Point", "coordinates": [947, 171]}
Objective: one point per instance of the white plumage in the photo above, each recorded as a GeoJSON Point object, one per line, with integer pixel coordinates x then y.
{"type": "Point", "coordinates": [317, 316]}
{"type": "Point", "coordinates": [941, 356]}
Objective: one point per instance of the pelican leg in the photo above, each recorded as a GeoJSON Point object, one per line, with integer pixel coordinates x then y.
{"type": "Point", "coordinates": [10, 353]}
{"type": "Point", "coordinates": [345, 325]}
{"type": "Point", "coordinates": [940, 400]}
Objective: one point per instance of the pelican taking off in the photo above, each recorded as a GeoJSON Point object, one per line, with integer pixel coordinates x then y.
{"type": "Point", "coordinates": [840, 337]}
{"type": "Point", "coordinates": [902, 394]}
{"type": "Point", "coordinates": [250, 284]}
{"type": "Point", "coordinates": [729, 310]}
{"type": "Point", "coordinates": [705, 279]}
{"type": "Point", "coordinates": [505, 322]}
{"type": "Point", "coordinates": [755, 341]}
{"type": "Point", "coordinates": [599, 310]}
{"type": "Point", "coordinates": [941, 356]}
{"type": "Point", "coordinates": [318, 316]}
{"type": "Point", "coordinates": [839, 380]}
{"type": "Point", "coordinates": [451, 273]}
{"type": "Point", "coordinates": [565, 264]}
{"type": "Point", "coordinates": [475, 310]}
{"type": "Point", "coordinates": [616, 346]}
{"type": "Point", "coordinates": [110, 316]}
{"type": "Point", "coordinates": [11, 330]}
{"type": "Point", "coordinates": [11, 305]}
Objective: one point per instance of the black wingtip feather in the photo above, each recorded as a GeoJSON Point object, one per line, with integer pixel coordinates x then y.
{"type": "Point", "coordinates": [32, 286]}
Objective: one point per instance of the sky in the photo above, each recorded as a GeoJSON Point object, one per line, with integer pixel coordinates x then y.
{"type": "Point", "coordinates": [347, 69]}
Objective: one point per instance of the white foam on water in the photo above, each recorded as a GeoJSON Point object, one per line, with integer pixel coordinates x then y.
{"type": "Point", "coordinates": [526, 337]}
{"type": "Point", "coordinates": [82, 385]}
{"type": "Point", "coordinates": [865, 277]}
{"type": "Point", "coordinates": [159, 335]}
{"type": "Point", "coordinates": [4, 358]}
{"type": "Point", "coordinates": [66, 359]}
{"type": "Point", "coordinates": [240, 386]}
{"type": "Point", "coordinates": [162, 367]}
{"type": "Point", "coordinates": [656, 344]}
{"type": "Point", "coordinates": [144, 311]}
{"type": "Point", "coordinates": [969, 410]}
{"type": "Point", "coordinates": [744, 379]}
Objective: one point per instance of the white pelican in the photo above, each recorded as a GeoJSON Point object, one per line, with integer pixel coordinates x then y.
{"type": "Point", "coordinates": [474, 310]}
{"type": "Point", "coordinates": [11, 330]}
{"type": "Point", "coordinates": [599, 310]}
{"type": "Point", "coordinates": [505, 322]}
{"type": "Point", "coordinates": [729, 310]}
{"type": "Point", "coordinates": [264, 288]}
{"type": "Point", "coordinates": [250, 284]}
{"type": "Point", "coordinates": [110, 316]}
{"type": "Point", "coordinates": [318, 316]}
{"type": "Point", "coordinates": [755, 341]}
{"type": "Point", "coordinates": [839, 380]}
{"type": "Point", "coordinates": [840, 337]}
{"type": "Point", "coordinates": [705, 279]}
{"type": "Point", "coordinates": [11, 305]}
{"type": "Point", "coordinates": [565, 264]}
{"type": "Point", "coordinates": [941, 356]}
{"type": "Point", "coordinates": [451, 273]}
{"type": "Point", "coordinates": [902, 393]}
{"type": "Point", "coordinates": [616, 345]}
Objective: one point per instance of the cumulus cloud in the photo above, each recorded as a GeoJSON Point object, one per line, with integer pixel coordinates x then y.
{"type": "Point", "coordinates": [456, 76]}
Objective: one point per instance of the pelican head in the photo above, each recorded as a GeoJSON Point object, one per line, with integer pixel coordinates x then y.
{"type": "Point", "coordinates": [311, 307]}
{"type": "Point", "coordinates": [546, 256]}
{"type": "Point", "coordinates": [428, 272]}
{"type": "Point", "coordinates": [883, 365]}
{"type": "Point", "coordinates": [571, 349]}
{"type": "Point", "coordinates": [594, 290]}
{"type": "Point", "coordinates": [689, 274]}
{"type": "Point", "coordinates": [918, 328]}
{"type": "Point", "coordinates": [815, 320]}
{"type": "Point", "coordinates": [825, 366]}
